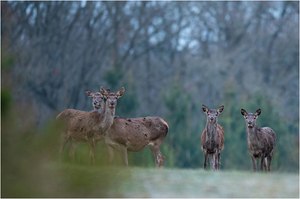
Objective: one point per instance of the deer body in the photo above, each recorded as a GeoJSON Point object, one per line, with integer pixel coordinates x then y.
{"type": "Point", "coordinates": [261, 141]}
{"type": "Point", "coordinates": [82, 126]}
{"type": "Point", "coordinates": [134, 134]}
{"type": "Point", "coordinates": [212, 138]}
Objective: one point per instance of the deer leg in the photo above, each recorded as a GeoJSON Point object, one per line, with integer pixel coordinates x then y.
{"type": "Point", "coordinates": [262, 165]}
{"type": "Point", "coordinates": [253, 163]}
{"type": "Point", "coordinates": [265, 164]}
{"type": "Point", "coordinates": [159, 158]}
{"type": "Point", "coordinates": [63, 145]}
{"type": "Point", "coordinates": [212, 161]}
{"type": "Point", "coordinates": [269, 158]}
{"type": "Point", "coordinates": [72, 150]}
{"type": "Point", "coordinates": [124, 155]}
{"type": "Point", "coordinates": [110, 153]}
{"type": "Point", "coordinates": [218, 160]}
{"type": "Point", "coordinates": [92, 150]}
{"type": "Point", "coordinates": [216, 157]}
{"type": "Point", "coordinates": [205, 160]}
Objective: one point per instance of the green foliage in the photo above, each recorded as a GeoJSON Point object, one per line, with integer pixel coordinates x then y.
{"type": "Point", "coordinates": [235, 153]}
{"type": "Point", "coordinates": [185, 149]}
{"type": "Point", "coordinates": [6, 101]}
{"type": "Point", "coordinates": [128, 103]}
{"type": "Point", "coordinates": [113, 77]}
{"type": "Point", "coordinates": [7, 61]}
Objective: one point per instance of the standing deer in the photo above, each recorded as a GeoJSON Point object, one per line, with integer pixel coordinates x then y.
{"type": "Point", "coordinates": [261, 141]}
{"type": "Point", "coordinates": [82, 126]}
{"type": "Point", "coordinates": [134, 134]}
{"type": "Point", "coordinates": [212, 138]}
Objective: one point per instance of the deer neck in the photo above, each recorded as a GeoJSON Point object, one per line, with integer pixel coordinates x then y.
{"type": "Point", "coordinates": [252, 134]}
{"type": "Point", "coordinates": [103, 108]}
{"type": "Point", "coordinates": [211, 129]}
{"type": "Point", "coordinates": [108, 118]}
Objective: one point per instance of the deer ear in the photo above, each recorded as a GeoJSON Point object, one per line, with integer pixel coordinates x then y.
{"type": "Point", "coordinates": [244, 112]}
{"type": "Point", "coordinates": [221, 108]}
{"type": "Point", "coordinates": [89, 93]}
{"type": "Point", "coordinates": [103, 91]}
{"type": "Point", "coordinates": [258, 112]}
{"type": "Point", "coordinates": [121, 92]}
{"type": "Point", "coordinates": [204, 108]}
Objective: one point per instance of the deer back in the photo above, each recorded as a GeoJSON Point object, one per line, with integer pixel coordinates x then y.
{"type": "Point", "coordinates": [130, 133]}
{"type": "Point", "coordinates": [157, 126]}
{"type": "Point", "coordinates": [80, 125]}
{"type": "Point", "coordinates": [68, 114]}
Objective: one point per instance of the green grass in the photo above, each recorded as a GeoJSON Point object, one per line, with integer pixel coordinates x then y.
{"type": "Point", "coordinates": [71, 180]}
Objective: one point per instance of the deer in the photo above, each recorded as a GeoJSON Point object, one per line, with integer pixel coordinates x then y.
{"type": "Point", "coordinates": [261, 141]}
{"type": "Point", "coordinates": [89, 127]}
{"type": "Point", "coordinates": [134, 134]}
{"type": "Point", "coordinates": [212, 137]}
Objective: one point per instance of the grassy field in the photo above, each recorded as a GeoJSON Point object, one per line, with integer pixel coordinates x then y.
{"type": "Point", "coordinates": [69, 180]}
{"type": "Point", "coordinates": [32, 167]}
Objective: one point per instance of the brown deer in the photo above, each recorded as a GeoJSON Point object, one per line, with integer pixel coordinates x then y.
{"type": "Point", "coordinates": [82, 126]}
{"type": "Point", "coordinates": [212, 138]}
{"type": "Point", "coordinates": [134, 134]}
{"type": "Point", "coordinates": [261, 141]}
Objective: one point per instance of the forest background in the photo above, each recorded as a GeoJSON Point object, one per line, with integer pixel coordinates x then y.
{"type": "Point", "coordinates": [172, 57]}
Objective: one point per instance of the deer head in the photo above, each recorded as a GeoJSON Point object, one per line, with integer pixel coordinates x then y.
{"type": "Point", "coordinates": [112, 97]}
{"type": "Point", "coordinates": [97, 99]}
{"type": "Point", "coordinates": [250, 118]}
{"type": "Point", "coordinates": [212, 114]}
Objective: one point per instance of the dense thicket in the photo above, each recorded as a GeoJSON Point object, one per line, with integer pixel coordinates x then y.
{"type": "Point", "coordinates": [171, 57]}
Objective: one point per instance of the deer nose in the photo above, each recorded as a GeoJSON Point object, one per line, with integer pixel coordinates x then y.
{"type": "Point", "coordinates": [211, 119]}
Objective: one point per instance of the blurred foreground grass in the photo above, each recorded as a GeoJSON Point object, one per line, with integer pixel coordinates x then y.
{"type": "Point", "coordinates": [32, 167]}
{"type": "Point", "coordinates": [69, 180]}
